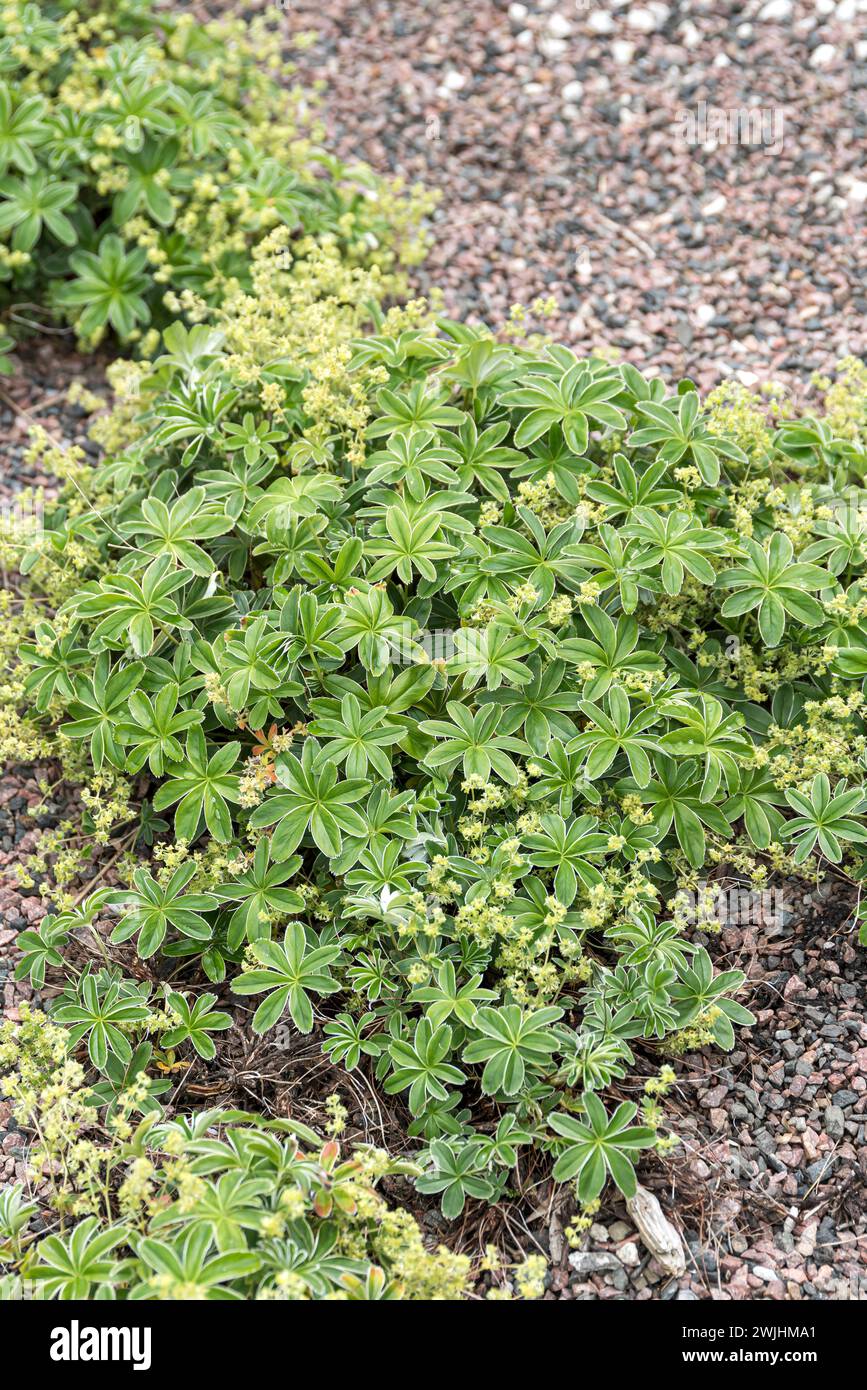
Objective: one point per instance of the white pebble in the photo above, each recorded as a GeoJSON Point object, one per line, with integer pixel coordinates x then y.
{"type": "Point", "coordinates": [776, 9]}
{"type": "Point", "coordinates": [600, 22]}
{"type": "Point", "coordinates": [704, 313]}
{"type": "Point", "coordinates": [559, 26]}
{"type": "Point", "coordinates": [622, 51]}
{"type": "Point", "coordinates": [573, 91]}
{"type": "Point", "coordinates": [518, 13]}
{"type": "Point", "coordinates": [644, 19]}
{"type": "Point", "coordinates": [714, 207]}
{"type": "Point", "coordinates": [553, 48]}
{"type": "Point", "coordinates": [628, 1254]}
{"type": "Point", "coordinates": [823, 56]}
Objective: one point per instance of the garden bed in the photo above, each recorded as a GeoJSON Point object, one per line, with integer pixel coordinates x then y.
{"type": "Point", "coordinates": [389, 701]}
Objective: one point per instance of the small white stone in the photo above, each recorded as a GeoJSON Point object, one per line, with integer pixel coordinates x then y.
{"type": "Point", "coordinates": [518, 13]}
{"type": "Point", "coordinates": [861, 51]}
{"type": "Point", "coordinates": [622, 51]}
{"type": "Point", "coordinates": [776, 10]}
{"type": "Point", "coordinates": [824, 7]}
{"type": "Point", "coordinates": [704, 313]}
{"type": "Point", "coordinates": [846, 11]}
{"type": "Point", "coordinates": [628, 1254]}
{"type": "Point", "coordinates": [715, 206]}
{"type": "Point", "coordinates": [746, 378]}
{"type": "Point", "coordinates": [573, 91]}
{"type": "Point", "coordinates": [553, 48]}
{"type": "Point", "coordinates": [644, 19]}
{"type": "Point", "coordinates": [823, 56]}
{"type": "Point", "coordinates": [857, 191]}
{"type": "Point", "coordinates": [762, 1272]}
{"type": "Point", "coordinates": [525, 39]}
{"type": "Point", "coordinates": [453, 80]}
{"type": "Point", "coordinates": [600, 22]}
{"type": "Point", "coordinates": [559, 26]}
{"type": "Point", "coordinates": [690, 36]}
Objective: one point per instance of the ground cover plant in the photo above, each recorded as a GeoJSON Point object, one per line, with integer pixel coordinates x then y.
{"type": "Point", "coordinates": [418, 680]}
{"type": "Point", "coordinates": [146, 158]}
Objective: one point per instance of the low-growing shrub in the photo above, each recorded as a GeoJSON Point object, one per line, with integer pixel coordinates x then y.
{"type": "Point", "coordinates": [148, 161]}
{"type": "Point", "coordinates": [443, 718]}
{"type": "Point", "coordinates": [217, 1205]}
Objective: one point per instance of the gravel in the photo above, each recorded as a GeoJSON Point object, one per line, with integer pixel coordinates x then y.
{"type": "Point", "coordinates": [559, 134]}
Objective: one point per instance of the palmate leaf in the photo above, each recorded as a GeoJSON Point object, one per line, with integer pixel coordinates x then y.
{"type": "Point", "coordinates": [682, 434]}
{"type": "Point", "coordinates": [71, 1267]}
{"type": "Point", "coordinates": [152, 907]}
{"type": "Point", "coordinates": [567, 393]}
{"type": "Point", "coordinates": [128, 611]}
{"type": "Point", "coordinates": [824, 819]}
{"type": "Point", "coordinates": [102, 1008]}
{"type": "Point", "coordinates": [771, 581]}
{"type": "Point", "coordinates": [540, 705]}
{"type": "Point", "coordinates": [30, 204]}
{"type": "Point", "coordinates": [261, 895]}
{"type": "Point", "coordinates": [109, 287]}
{"type": "Point", "coordinates": [153, 728]}
{"type": "Point", "coordinates": [174, 531]}
{"type": "Point", "coordinates": [311, 799]}
{"type": "Point", "coordinates": [614, 732]}
{"type": "Point", "coordinates": [420, 1065]}
{"type": "Point", "coordinates": [23, 129]}
{"type": "Point", "coordinates": [612, 650]}
{"type": "Point", "coordinates": [292, 972]}
{"type": "Point", "coordinates": [512, 1041]}
{"type": "Point", "coordinates": [600, 1145]}
{"type": "Point", "coordinates": [203, 785]}
{"type": "Point", "coordinates": [674, 797]}
{"type": "Point", "coordinates": [195, 1022]}
{"type": "Point", "coordinates": [471, 741]}
{"type": "Point", "coordinates": [99, 708]}
{"type": "Point", "coordinates": [568, 848]}
{"type": "Point", "coordinates": [457, 1172]}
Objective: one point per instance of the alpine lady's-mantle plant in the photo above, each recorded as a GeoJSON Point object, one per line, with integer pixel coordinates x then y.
{"type": "Point", "coordinates": [467, 874]}
{"type": "Point", "coordinates": [448, 669]}
{"type": "Point", "coordinates": [147, 161]}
